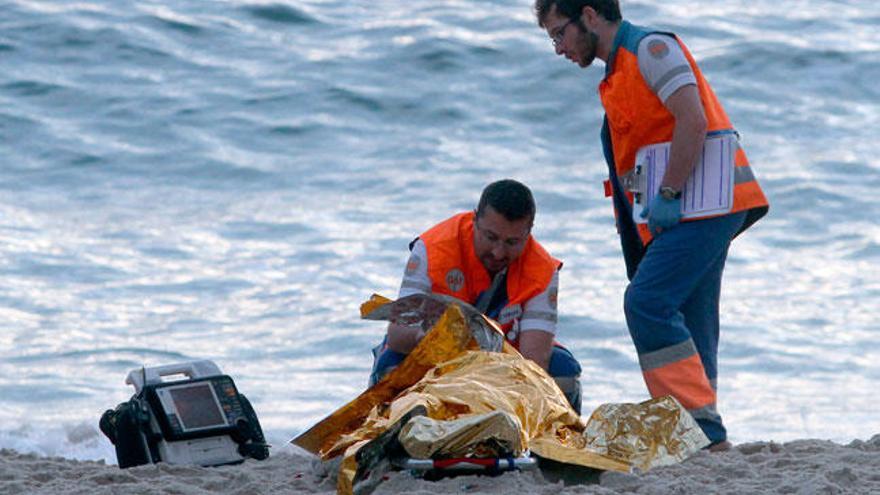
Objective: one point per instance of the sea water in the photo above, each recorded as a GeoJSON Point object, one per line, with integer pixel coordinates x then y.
{"type": "Point", "coordinates": [230, 179]}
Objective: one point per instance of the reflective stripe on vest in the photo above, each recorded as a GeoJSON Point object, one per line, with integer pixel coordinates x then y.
{"type": "Point", "coordinates": [455, 270]}
{"type": "Point", "coordinates": [636, 117]}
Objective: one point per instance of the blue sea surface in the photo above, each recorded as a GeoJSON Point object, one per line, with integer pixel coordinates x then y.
{"type": "Point", "coordinates": [230, 179]}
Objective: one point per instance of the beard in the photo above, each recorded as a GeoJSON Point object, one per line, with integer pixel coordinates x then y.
{"type": "Point", "coordinates": [494, 265]}
{"type": "Point", "coordinates": [588, 42]}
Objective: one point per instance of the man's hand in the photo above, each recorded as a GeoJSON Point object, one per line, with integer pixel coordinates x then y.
{"type": "Point", "coordinates": [662, 214]}
{"type": "Point", "coordinates": [404, 338]}
{"type": "Point", "coordinates": [536, 345]}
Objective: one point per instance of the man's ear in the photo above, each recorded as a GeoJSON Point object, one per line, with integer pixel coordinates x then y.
{"type": "Point", "coordinates": [589, 16]}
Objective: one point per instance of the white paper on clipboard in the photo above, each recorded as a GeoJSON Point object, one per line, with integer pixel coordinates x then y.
{"type": "Point", "coordinates": [709, 189]}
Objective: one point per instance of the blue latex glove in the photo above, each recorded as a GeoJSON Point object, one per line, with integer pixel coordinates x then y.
{"type": "Point", "coordinates": [662, 214]}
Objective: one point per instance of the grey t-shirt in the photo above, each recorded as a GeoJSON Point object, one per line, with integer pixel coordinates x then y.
{"type": "Point", "coordinates": [663, 65]}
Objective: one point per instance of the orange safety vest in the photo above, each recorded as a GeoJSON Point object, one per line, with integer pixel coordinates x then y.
{"type": "Point", "coordinates": [636, 117]}
{"type": "Point", "coordinates": [455, 270]}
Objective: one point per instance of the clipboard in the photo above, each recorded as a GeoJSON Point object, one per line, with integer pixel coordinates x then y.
{"type": "Point", "coordinates": [707, 192]}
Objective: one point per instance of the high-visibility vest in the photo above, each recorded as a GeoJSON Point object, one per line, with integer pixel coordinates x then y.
{"type": "Point", "coordinates": [636, 117]}
{"type": "Point", "coordinates": [455, 270]}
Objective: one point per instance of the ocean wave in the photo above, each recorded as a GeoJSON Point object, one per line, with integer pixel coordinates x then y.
{"type": "Point", "coordinates": [280, 13]}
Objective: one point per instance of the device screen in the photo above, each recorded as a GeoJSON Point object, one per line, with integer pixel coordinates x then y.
{"type": "Point", "coordinates": [197, 407]}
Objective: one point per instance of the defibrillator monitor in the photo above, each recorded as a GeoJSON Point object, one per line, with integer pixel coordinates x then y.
{"type": "Point", "coordinates": [192, 407]}
{"type": "Point", "coordinates": [184, 413]}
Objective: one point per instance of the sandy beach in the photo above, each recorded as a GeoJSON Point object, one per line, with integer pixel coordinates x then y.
{"type": "Point", "coordinates": [797, 467]}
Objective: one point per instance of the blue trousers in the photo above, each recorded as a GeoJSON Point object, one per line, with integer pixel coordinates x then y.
{"type": "Point", "coordinates": [564, 369]}
{"type": "Point", "coordinates": [671, 308]}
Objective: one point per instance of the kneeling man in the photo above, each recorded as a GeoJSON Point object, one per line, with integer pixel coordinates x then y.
{"type": "Point", "coordinates": [489, 259]}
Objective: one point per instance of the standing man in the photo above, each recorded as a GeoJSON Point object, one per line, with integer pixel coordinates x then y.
{"type": "Point", "coordinates": [489, 259]}
{"type": "Point", "coordinates": [653, 92]}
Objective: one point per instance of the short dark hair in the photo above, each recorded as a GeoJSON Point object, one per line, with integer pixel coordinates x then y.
{"type": "Point", "coordinates": [509, 198]}
{"type": "Point", "coordinates": [609, 9]}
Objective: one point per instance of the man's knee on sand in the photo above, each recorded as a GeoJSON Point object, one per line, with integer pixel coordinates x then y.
{"type": "Point", "coordinates": [566, 371]}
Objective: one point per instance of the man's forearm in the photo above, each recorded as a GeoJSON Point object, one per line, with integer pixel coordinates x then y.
{"type": "Point", "coordinates": [688, 135]}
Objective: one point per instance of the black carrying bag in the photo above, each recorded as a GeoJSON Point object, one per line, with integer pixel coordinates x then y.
{"type": "Point", "coordinates": [251, 442]}
{"type": "Point", "coordinates": [126, 429]}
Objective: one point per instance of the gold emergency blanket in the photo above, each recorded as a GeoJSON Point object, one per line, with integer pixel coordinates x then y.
{"type": "Point", "coordinates": [449, 376]}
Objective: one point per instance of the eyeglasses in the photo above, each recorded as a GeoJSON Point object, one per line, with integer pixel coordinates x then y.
{"type": "Point", "coordinates": [560, 33]}
{"type": "Point", "coordinates": [494, 239]}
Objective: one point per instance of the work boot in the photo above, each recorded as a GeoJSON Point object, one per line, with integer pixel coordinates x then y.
{"type": "Point", "coordinates": [722, 446]}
